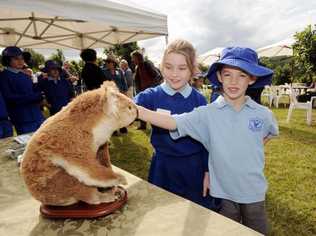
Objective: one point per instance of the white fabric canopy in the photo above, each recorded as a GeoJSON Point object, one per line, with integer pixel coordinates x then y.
{"type": "Point", "coordinates": [282, 48]}
{"type": "Point", "coordinates": [76, 24]}
{"type": "Point", "coordinates": [210, 57]}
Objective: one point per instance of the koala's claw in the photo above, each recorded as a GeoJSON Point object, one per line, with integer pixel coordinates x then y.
{"type": "Point", "coordinates": [118, 193]}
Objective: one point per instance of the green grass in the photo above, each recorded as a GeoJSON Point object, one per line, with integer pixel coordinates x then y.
{"type": "Point", "coordinates": [290, 170]}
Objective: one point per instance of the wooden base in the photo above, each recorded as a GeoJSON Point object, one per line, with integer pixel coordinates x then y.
{"type": "Point", "coordinates": [83, 210]}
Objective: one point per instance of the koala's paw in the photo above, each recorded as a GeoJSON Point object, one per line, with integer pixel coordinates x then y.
{"type": "Point", "coordinates": [108, 197]}
{"type": "Point", "coordinates": [119, 193]}
{"type": "Point", "coordinates": [121, 179]}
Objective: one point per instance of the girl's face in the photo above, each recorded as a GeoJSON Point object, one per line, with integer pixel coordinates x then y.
{"type": "Point", "coordinates": [17, 62]}
{"type": "Point", "coordinates": [235, 83]}
{"type": "Point", "coordinates": [176, 71]}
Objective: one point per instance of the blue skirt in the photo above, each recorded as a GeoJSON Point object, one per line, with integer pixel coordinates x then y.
{"type": "Point", "coordinates": [182, 176]}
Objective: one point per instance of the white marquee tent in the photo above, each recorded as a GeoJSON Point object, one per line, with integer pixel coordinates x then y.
{"type": "Point", "coordinates": [76, 24]}
{"type": "Point", "coordinates": [210, 56]}
{"type": "Point", "coordinates": [282, 48]}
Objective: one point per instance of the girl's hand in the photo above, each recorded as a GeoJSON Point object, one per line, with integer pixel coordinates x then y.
{"type": "Point", "coordinates": [162, 120]}
{"type": "Point", "coordinates": [206, 183]}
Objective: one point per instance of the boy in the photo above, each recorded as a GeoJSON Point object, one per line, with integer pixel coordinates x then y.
{"type": "Point", "coordinates": [233, 129]}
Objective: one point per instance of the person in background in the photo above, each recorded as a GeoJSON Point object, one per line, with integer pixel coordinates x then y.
{"type": "Point", "coordinates": [128, 74]}
{"type": "Point", "coordinates": [177, 166]}
{"type": "Point", "coordinates": [216, 92]}
{"type": "Point", "coordinates": [67, 74]}
{"type": "Point", "coordinates": [116, 75]}
{"type": "Point", "coordinates": [5, 124]}
{"type": "Point", "coordinates": [21, 96]}
{"type": "Point", "coordinates": [91, 74]}
{"type": "Point", "coordinates": [146, 76]}
{"type": "Point", "coordinates": [57, 89]}
{"type": "Point", "coordinates": [197, 81]}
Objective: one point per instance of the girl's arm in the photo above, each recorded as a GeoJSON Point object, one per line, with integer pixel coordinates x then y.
{"type": "Point", "coordinates": [161, 120]}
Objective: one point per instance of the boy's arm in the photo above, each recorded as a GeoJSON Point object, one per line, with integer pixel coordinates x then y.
{"type": "Point", "coordinates": [161, 120]}
{"type": "Point", "coordinates": [272, 129]}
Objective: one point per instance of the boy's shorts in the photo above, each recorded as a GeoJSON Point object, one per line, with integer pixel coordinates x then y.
{"type": "Point", "coordinates": [252, 215]}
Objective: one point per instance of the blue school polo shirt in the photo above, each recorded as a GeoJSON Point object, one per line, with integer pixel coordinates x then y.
{"type": "Point", "coordinates": [235, 144]}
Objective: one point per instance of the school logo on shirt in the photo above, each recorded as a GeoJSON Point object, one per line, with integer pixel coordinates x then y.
{"type": "Point", "coordinates": [255, 124]}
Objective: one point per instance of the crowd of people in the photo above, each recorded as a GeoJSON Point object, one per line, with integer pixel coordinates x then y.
{"type": "Point", "coordinates": [189, 136]}
{"type": "Point", "coordinates": [24, 94]}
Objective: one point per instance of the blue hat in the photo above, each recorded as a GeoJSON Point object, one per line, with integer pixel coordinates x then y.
{"type": "Point", "coordinates": [12, 51]}
{"type": "Point", "coordinates": [245, 59]}
{"type": "Point", "coordinates": [51, 64]}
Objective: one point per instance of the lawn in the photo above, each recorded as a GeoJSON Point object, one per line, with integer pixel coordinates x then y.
{"type": "Point", "coordinates": [290, 170]}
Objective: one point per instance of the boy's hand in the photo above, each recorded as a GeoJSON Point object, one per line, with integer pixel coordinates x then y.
{"type": "Point", "coordinates": [206, 183]}
{"type": "Point", "coordinates": [265, 140]}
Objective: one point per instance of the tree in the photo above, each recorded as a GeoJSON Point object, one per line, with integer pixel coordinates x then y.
{"type": "Point", "coordinates": [123, 51]}
{"type": "Point", "coordinates": [304, 52]}
{"type": "Point", "coordinates": [37, 58]}
{"type": "Point", "coordinates": [58, 57]}
{"type": "Point", "coordinates": [282, 67]}
{"type": "Point", "coordinates": [76, 67]}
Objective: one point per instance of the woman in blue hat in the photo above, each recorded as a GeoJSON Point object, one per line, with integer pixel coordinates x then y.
{"type": "Point", "coordinates": [57, 89]}
{"type": "Point", "coordinates": [233, 129]}
{"type": "Point", "coordinates": [20, 94]}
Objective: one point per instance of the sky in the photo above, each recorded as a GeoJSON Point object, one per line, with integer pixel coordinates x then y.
{"type": "Point", "coordinates": [208, 24]}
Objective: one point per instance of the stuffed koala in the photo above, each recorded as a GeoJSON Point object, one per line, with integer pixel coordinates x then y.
{"type": "Point", "coordinates": [67, 159]}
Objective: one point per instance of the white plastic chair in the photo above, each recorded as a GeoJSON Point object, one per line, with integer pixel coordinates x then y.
{"type": "Point", "coordinates": [267, 92]}
{"type": "Point", "coordinates": [277, 94]}
{"type": "Point", "coordinates": [204, 90]}
{"type": "Point", "coordinates": [294, 104]}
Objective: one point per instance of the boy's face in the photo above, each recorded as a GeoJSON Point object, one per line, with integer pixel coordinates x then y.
{"type": "Point", "coordinates": [235, 82]}
{"type": "Point", "coordinates": [176, 71]}
{"type": "Point", "coordinates": [17, 62]}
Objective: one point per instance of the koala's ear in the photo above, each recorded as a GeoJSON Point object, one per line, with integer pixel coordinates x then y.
{"type": "Point", "coordinates": [108, 85]}
{"type": "Point", "coordinates": [110, 100]}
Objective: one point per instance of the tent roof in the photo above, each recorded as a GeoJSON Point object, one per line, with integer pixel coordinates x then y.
{"type": "Point", "coordinates": [282, 48]}
{"type": "Point", "coordinates": [210, 56]}
{"type": "Point", "coordinates": [76, 24]}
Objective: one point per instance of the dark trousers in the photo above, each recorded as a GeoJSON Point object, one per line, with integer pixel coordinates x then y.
{"type": "Point", "coordinates": [27, 127]}
{"type": "Point", "coordinates": [142, 124]}
{"type": "Point", "coordinates": [5, 129]}
{"type": "Point", "coordinates": [252, 215]}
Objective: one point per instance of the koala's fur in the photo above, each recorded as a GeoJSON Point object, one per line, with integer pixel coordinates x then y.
{"type": "Point", "coordinates": [67, 159]}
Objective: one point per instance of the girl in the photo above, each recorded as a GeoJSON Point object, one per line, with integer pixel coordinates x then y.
{"type": "Point", "coordinates": [57, 89]}
{"type": "Point", "coordinates": [177, 166]}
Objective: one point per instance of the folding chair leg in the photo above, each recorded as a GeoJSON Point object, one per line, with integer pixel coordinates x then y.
{"type": "Point", "coordinates": [309, 116]}
{"type": "Point", "coordinates": [270, 100]}
{"type": "Point", "coordinates": [289, 114]}
{"type": "Point", "coordinates": [276, 102]}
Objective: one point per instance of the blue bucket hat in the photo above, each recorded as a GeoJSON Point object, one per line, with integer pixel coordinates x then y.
{"type": "Point", "coordinates": [245, 59]}
{"type": "Point", "coordinates": [51, 64]}
{"type": "Point", "coordinates": [12, 51]}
